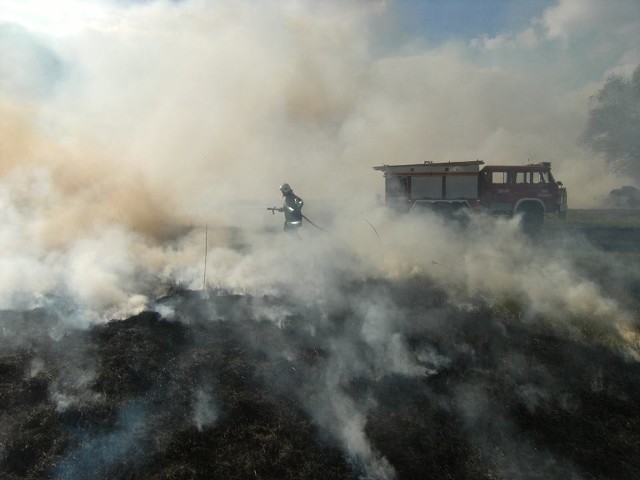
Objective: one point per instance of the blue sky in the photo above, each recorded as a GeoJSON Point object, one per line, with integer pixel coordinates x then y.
{"type": "Point", "coordinates": [440, 20]}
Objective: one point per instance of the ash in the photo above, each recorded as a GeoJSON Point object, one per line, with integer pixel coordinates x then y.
{"type": "Point", "coordinates": [391, 381]}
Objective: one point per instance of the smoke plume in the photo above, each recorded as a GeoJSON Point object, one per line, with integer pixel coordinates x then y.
{"type": "Point", "coordinates": [125, 126]}
{"type": "Point", "coordinates": [143, 141]}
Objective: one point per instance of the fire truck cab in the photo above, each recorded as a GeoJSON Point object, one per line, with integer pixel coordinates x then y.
{"type": "Point", "coordinates": [528, 190]}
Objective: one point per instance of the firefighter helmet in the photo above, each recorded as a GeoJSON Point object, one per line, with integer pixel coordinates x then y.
{"type": "Point", "coordinates": [285, 189]}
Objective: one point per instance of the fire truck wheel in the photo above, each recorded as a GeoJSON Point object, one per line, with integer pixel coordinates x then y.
{"type": "Point", "coordinates": [532, 219]}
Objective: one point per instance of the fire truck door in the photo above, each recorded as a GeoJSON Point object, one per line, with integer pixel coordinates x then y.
{"type": "Point", "coordinates": [495, 191]}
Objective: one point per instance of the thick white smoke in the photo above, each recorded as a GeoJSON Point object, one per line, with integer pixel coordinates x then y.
{"type": "Point", "coordinates": [130, 133]}
{"type": "Point", "coordinates": [124, 125]}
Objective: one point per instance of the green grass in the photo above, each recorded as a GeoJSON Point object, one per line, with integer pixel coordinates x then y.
{"type": "Point", "coordinates": [606, 218]}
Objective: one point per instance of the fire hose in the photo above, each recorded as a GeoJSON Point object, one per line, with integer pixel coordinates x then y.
{"type": "Point", "coordinates": [276, 209]}
{"type": "Point", "coordinates": [319, 228]}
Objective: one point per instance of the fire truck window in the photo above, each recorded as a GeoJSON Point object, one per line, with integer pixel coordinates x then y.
{"type": "Point", "coordinates": [521, 177]}
{"type": "Point", "coordinates": [397, 186]}
{"type": "Point", "coordinates": [498, 177]}
{"type": "Point", "coordinates": [541, 177]}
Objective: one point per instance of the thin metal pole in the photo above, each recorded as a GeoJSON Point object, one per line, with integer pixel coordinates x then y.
{"type": "Point", "coordinates": [206, 249]}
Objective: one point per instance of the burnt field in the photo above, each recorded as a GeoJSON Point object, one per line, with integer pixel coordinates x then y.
{"type": "Point", "coordinates": [380, 378]}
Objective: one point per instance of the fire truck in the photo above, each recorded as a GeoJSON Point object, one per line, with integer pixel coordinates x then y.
{"type": "Point", "coordinates": [530, 190]}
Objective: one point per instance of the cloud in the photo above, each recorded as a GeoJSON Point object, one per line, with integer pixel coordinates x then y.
{"type": "Point", "coordinates": [571, 18]}
{"type": "Point", "coordinates": [603, 32]}
{"type": "Point", "coordinates": [593, 37]}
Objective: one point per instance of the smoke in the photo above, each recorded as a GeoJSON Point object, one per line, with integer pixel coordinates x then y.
{"type": "Point", "coordinates": [491, 430]}
{"type": "Point", "coordinates": [128, 124]}
{"type": "Point", "coordinates": [165, 116]}
{"type": "Point", "coordinates": [204, 409]}
{"type": "Point", "coordinates": [492, 261]}
{"type": "Point", "coordinates": [134, 134]}
{"type": "Point", "coordinates": [612, 120]}
{"type": "Point", "coordinates": [99, 453]}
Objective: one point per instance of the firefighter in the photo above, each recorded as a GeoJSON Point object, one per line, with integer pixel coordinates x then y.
{"type": "Point", "coordinates": [292, 209]}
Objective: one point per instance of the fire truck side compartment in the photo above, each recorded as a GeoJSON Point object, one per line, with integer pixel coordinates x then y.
{"type": "Point", "coordinates": [431, 181]}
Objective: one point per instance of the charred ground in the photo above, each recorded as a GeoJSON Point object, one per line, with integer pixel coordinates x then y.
{"type": "Point", "coordinates": [216, 389]}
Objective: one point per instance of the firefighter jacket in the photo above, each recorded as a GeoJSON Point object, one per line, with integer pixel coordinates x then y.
{"type": "Point", "coordinates": [292, 209]}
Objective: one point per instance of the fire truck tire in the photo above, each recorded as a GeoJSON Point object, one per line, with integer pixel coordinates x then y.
{"type": "Point", "coordinates": [532, 219]}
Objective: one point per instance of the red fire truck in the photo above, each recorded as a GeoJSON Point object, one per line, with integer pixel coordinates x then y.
{"type": "Point", "coordinates": [528, 190]}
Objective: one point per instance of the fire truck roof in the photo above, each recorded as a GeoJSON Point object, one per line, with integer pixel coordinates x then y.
{"type": "Point", "coordinates": [513, 168]}
{"type": "Point", "coordinates": [431, 164]}
{"type": "Point", "coordinates": [543, 166]}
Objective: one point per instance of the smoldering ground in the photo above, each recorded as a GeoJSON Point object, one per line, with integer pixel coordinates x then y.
{"type": "Point", "coordinates": [335, 366]}
{"type": "Point", "coordinates": [384, 347]}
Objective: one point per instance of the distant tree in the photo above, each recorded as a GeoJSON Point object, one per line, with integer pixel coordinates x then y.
{"type": "Point", "coordinates": [625, 197]}
{"type": "Point", "coordinates": [613, 128]}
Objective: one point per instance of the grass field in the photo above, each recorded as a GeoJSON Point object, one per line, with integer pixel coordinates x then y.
{"type": "Point", "coordinates": [605, 218]}
{"type": "Point", "coordinates": [604, 246]}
